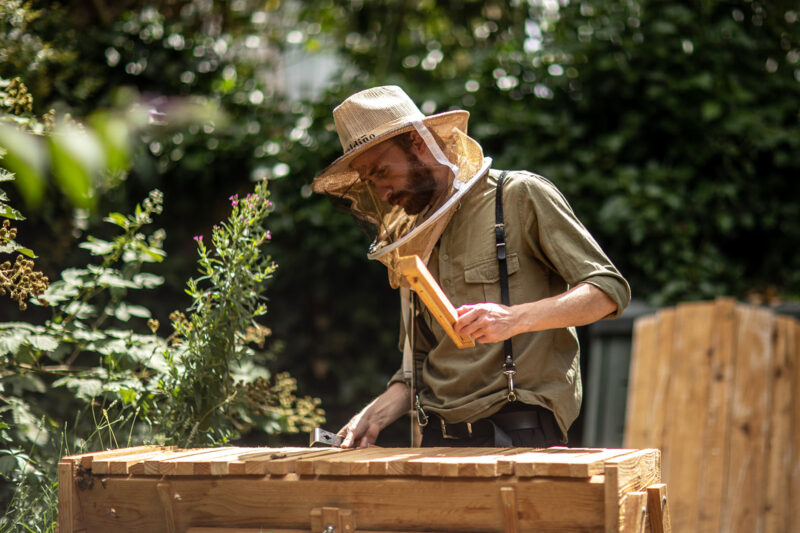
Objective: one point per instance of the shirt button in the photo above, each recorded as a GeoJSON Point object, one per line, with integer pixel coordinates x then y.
{"type": "Point", "coordinates": [445, 257]}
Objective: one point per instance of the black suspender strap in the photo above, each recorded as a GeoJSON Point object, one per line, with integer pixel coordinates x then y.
{"type": "Point", "coordinates": [509, 368]}
{"type": "Point", "coordinates": [422, 417]}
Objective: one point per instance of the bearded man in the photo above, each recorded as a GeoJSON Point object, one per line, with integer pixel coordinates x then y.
{"type": "Point", "coordinates": [507, 250]}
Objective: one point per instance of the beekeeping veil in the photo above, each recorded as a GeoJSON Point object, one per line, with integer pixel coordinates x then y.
{"type": "Point", "coordinates": [396, 225]}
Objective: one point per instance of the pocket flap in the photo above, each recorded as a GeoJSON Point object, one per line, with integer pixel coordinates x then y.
{"type": "Point", "coordinates": [488, 271]}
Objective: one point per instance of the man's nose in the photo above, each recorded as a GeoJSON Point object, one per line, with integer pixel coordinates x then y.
{"type": "Point", "coordinates": [384, 191]}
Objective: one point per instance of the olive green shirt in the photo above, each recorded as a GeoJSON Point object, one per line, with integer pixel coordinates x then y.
{"type": "Point", "coordinates": [548, 252]}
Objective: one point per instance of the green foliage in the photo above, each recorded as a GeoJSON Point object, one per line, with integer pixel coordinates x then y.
{"type": "Point", "coordinates": [210, 347]}
{"type": "Point", "coordinates": [100, 354]}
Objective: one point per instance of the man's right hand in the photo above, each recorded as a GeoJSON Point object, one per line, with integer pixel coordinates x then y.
{"type": "Point", "coordinates": [359, 432]}
{"type": "Point", "coordinates": [362, 430]}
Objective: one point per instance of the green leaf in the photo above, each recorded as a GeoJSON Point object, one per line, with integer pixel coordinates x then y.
{"type": "Point", "coordinates": [97, 246]}
{"type": "Point", "coordinates": [80, 310]}
{"type": "Point", "coordinates": [146, 280]}
{"type": "Point", "coordinates": [118, 219]}
{"type": "Point", "coordinates": [46, 343]}
{"type": "Point", "coordinates": [75, 276]}
{"type": "Point", "coordinates": [127, 395]}
{"type": "Point", "coordinates": [60, 291]}
{"type": "Point", "coordinates": [108, 277]}
{"type": "Point", "coordinates": [26, 157]}
{"type": "Point", "coordinates": [114, 135]}
{"type": "Point", "coordinates": [10, 344]}
{"type": "Point", "coordinates": [76, 160]}
{"type": "Point", "coordinates": [9, 212]}
{"type": "Point", "coordinates": [83, 388]}
{"type": "Point", "coordinates": [26, 252]}
{"type": "Point", "coordinates": [25, 383]}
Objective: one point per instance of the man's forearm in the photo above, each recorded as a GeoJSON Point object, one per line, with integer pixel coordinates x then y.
{"type": "Point", "coordinates": [389, 406]}
{"type": "Point", "coordinates": [490, 322]}
{"type": "Point", "coordinates": [581, 305]}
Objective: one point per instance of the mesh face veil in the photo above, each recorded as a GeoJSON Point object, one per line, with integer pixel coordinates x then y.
{"type": "Point", "coordinates": [391, 185]}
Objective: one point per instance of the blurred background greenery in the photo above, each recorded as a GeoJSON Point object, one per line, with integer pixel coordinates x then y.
{"type": "Point", "coordinates": [672, 127]}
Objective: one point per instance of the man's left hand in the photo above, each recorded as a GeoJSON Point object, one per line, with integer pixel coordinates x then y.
{"type": "Point", "coordinates": [485, 322]}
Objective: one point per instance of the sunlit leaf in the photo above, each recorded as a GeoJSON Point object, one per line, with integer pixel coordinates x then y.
{"type": "Point", "coordinates": [77, 159]}
{"type": "Point", "coordinates": [25, 155]}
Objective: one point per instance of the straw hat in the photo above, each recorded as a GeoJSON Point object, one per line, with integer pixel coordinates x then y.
{"type": "Point", "coordinates": [365, 120]}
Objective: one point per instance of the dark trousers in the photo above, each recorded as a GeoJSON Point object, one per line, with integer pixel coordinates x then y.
{"type": "Point", "coordinates": [516, 424]}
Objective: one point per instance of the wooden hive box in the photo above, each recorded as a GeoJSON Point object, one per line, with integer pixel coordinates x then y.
{"type": "Point", "coordinates": [289, 490]}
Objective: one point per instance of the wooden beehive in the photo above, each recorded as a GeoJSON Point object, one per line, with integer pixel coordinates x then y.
{"type": "Point", "coordinates": [714, 385]}
{"type": "Point", "coordinates": [289, 490]}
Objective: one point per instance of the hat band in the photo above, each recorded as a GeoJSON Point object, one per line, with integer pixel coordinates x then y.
{"type": "Point", "coordinates": [380, 130]}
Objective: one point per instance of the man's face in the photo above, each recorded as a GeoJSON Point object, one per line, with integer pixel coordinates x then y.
{"type": "Point", "coordinates": [398, 176]}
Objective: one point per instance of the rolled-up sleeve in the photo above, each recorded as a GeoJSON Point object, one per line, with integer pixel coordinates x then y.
{"type": "Point", "coordinates": [563, 243]}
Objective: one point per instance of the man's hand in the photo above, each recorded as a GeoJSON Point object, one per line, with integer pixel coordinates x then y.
{"type": "Point", "coordinates": [489, 322]}
{"type": "Point", "coordinates": [362, 430]}
{"type": "Point", "coordinates": [485, 322]}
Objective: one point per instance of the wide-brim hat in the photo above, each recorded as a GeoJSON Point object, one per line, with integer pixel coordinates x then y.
{"type": "Point", "coordinates": [365, 120]}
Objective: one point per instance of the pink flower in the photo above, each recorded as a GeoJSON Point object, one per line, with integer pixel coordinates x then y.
{"type": "Point", "coordinates": [234, 200]}
{"type": "Point", "coordinates": [198, 238]}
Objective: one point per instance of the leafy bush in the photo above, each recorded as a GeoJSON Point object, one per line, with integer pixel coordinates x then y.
{"type": "Point", "coordinates": [95, 373]}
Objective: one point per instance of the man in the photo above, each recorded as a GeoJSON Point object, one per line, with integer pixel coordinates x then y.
{"type": "Point", "coordinates": [518, 265]}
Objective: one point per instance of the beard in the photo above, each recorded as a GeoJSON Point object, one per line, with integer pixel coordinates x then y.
{"type": "Point", "coordinates": [421, 187]}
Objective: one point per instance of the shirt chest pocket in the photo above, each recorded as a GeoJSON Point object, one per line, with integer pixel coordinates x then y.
{"type": "Point", "coordinates": [482, 279]}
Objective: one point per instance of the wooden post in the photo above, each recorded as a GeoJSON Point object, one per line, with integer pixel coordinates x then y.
{"type": "Point", "coordinates": [508, 499]}
{"type": "Point", "coordinates": [657, 509]}
{"type": "Point", "coordinates": [633, 512]}
{"type": "Point", "coordinates": [165, 495]}
{"type": "Point", "coordinates": [66, 509]}
{"type": "Point", "coordinates": [325, 518]}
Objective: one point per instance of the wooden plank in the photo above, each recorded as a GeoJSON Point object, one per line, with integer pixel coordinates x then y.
{"type": "Point", "coordinates": [165, 496]}
{"type": "Point", "coordinates": [582, 464]}
{"type": "Point", "coordinates": [443, 462]}
{"type": "Point", "coordinates": [713, 474]}
{"type": "Point", "coordinates": [340, 464]}
{"type": "Point", "coordinates": [253, 454]}
{"type": "Point", "coordinates": [525, 464]}
{"type": "Point", "coordinates": [396, 504]}
{"type": "Point", "coordinates": [282, 463]}
{"type": "Point", "coordinates": [794, 488]}
{"type": "Point", "coordinates": [749, 423]}
{"type": "Point", "coordinates": [634, 511]}
{"type": "Point", "coordinates": [611, 505]}
{"type": "Point", "coordinates": [193, 464]}
{"type": "Point", "coordinates": [85, 459]}
{"type": "Point", "coordinates": [304, 466]}
{"type": "Point", "coordinates": [658, 509]}
{"type": "Point", "coordinates": [434, 298]}
{"type": "Point", "coordinates": [245, 530]}
{"type": "Point", "coordinates": [688, 394]}
{"type": "Point", "coordinates": [153, 466]}
{"type": "Point", "coordinates": [406, 462]}
{"type": "Point", "coordinates": [779, 440]}
{"type": "Point", "coordinates": [660, 404]}
{"type": "Point", "coordinates": [642, 379]}
{"type": "Point", "coordinates": [66, 500]}
{"type": "Point", "coordinates": [495, 464]}
{"type": "Point", "coordinates": [508, 501]}
{"type": "Point", "coordinates": [122, 464]}
{"type": "Point", "coordinates": [469, 462]}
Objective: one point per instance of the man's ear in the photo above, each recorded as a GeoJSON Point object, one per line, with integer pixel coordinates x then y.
{"type": "Point", "coordinates": [418, 144]}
